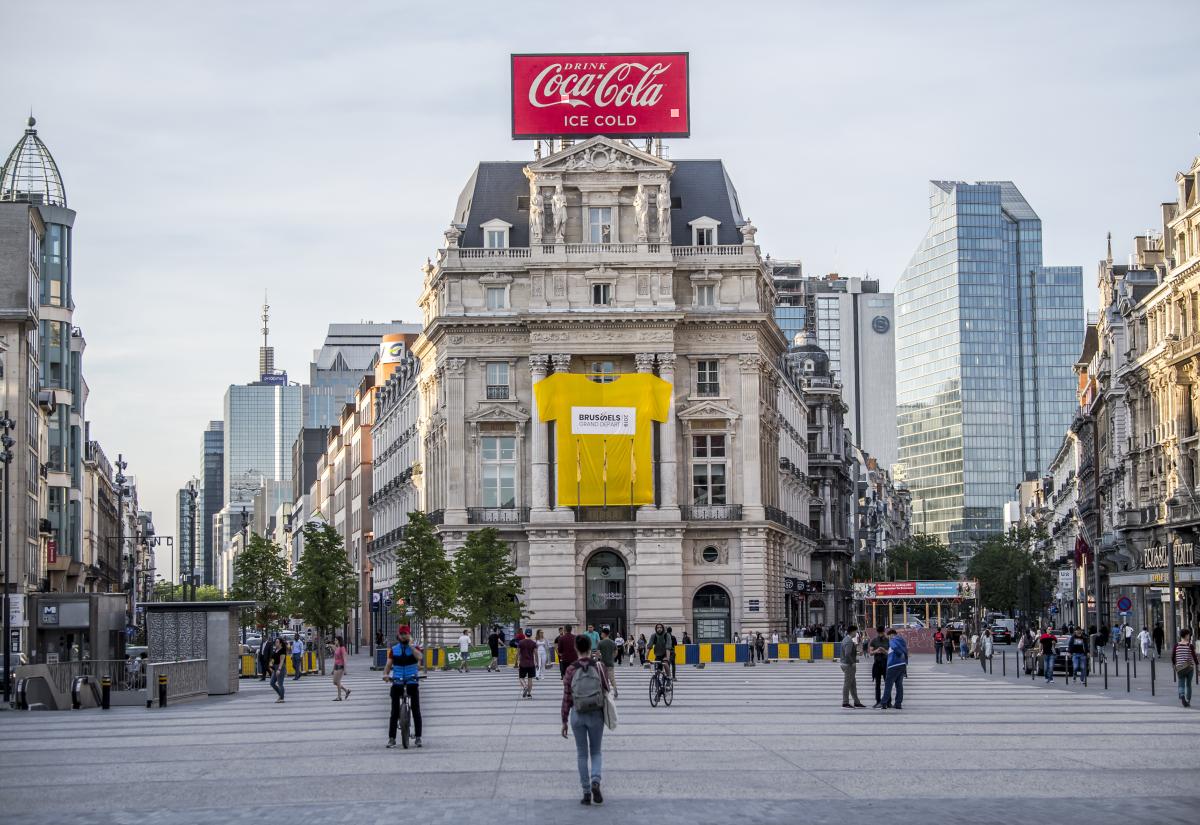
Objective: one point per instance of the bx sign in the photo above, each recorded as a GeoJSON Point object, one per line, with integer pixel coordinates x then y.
{"type": "Point", "coordinates": [640, 95]}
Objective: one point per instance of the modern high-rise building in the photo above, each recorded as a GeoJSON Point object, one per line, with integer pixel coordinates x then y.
{"type": "Point", "coordinates": [211, 497]}
{"type": "Point", "coordinates": [986, 341]}
{"type": "Point", "coordinates": [187, 508]}
{"type": "Point", "coordinates": [853, 323]}
{"type": "Point", "coordinates": [339, 366]}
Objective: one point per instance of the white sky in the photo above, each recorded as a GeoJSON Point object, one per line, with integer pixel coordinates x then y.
{"type": "Point", "coordinates": [217, 149]}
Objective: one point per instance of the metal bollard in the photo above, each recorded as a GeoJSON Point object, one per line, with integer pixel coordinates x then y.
{"type": "Point", "coordinates": [1106, 675]}
{"type": "Point", "coordinates": [1151, 677]}
{"type": "Point", "coordinates": [991, 665]}
{"type": "Point", "coordinates": [1117, 666]}
{"type": "Point", "coordinates": [1127, 686]}
{"type": "Point", "coordinates": [1004, 663]}
{"type": "Point", "coordinates": [162, 690]}
{"type": "Point", "coordinates": [105, 691]}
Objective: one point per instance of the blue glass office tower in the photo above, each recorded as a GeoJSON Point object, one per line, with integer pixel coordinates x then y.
{"type": "Point", "coordinates": [986, 340]}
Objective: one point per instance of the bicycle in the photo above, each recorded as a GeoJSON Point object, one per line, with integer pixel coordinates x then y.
{"type": "Point", "coordinates": [405, 713]}
{"type": "Point", "coordinates": [660, 685]}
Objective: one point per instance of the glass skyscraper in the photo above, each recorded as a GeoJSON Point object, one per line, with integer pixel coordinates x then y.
{"type": "Point", "coordinates": [986, 341]}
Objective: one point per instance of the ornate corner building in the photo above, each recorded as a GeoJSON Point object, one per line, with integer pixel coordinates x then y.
{"type": "Point", "coordinates": [604, 260]}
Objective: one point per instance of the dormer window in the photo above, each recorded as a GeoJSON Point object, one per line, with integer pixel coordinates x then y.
{"type": "Point", "coordinates": [704, 231]}
{"type": "Point", "coordinates": [495, 234]}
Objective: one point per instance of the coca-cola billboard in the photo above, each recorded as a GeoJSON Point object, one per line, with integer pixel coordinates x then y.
{"type": "Point", "coordinates": [639, 95]}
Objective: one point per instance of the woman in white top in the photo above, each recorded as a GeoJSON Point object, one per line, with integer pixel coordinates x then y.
{"type": "Point", "coordinates": [540, 638]}
{"type": "Point", "coordinates": [1144, 642]}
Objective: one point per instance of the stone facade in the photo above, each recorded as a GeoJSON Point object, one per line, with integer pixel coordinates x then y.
{"type": "Point", "coordinates": [585, 262]}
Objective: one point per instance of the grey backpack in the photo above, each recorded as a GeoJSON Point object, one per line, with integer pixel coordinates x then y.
{"type": "Point", "coordinates": [587, 691]}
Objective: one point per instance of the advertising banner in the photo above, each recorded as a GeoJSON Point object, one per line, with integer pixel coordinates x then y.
{"type": "Point", "coordinates": [641, 95]}
{"type": "Point", "coordinates": [390, 351]}
{"type": "Point", "coordinates": [476, 657]}
{"type": "Point", "coordinates": [884, 590]}
{"type": "Point", "coordinates": [916, 590]}
{"type": "Point", "coordinates": [602, 420]}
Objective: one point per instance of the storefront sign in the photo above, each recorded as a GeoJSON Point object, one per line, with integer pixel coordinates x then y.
{"type": "Point", "coordinates": [644, 95]}
{"type": "Point", "coordinates": [1066, 580]}
{"type": "Point", "coordinates": [1155, 557]}
{"type": "Point", "coordinates": [754, 605]}
{"type": "Point", "coordinates": [16, 610]}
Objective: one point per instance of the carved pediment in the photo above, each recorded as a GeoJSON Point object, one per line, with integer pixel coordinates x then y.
{"type": "Point", "coordinates": [498, 414]}
{"type": "Point", "coordinates": [601, 154]}
{"type": "Point", "coordinates": [708, 410]}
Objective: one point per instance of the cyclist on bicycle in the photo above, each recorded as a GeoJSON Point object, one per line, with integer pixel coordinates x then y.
{"type": "Point", "coordinates": [402, 661]}
{"type": "Point", "coordinates": [660, 643]}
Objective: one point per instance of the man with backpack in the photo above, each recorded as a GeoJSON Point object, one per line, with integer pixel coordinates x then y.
{"type": "Point", "coordinates": [584, 685]}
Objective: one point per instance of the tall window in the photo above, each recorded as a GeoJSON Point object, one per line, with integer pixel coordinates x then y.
{"type": "Point", "coordinates": [706, 295]}
{"type": "Point", "coordinates": [601, 295]}
{"type": "Point", "coordinates": [708, 378]}
{"type": "Point", "coordinates": [497, 380]}
{"type": "Point", "coordinates": [600, 228]}
{"type": "Point", "coordinates": [499, 460]}
{"type": "Point", "coordinates": [708, 470]}
{"type": "Point", "coordinates": [495, 297]}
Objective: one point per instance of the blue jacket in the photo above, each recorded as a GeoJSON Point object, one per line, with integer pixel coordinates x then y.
{"type": "Point", "coordinates": [897, 653]}
{"type": "Point", "coordinates": [404, 664]}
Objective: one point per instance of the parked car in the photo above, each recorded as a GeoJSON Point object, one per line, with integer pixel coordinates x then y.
{"type": "Point", "coordinates": [1004, 631]}
{"type": "Point", "coordinates": [1034, 663]}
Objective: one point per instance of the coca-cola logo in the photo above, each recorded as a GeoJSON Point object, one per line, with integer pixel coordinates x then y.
{"type": "Point", "coordinates": [643, 95]}
{"type": "Point", "coordinates": [596, 84]}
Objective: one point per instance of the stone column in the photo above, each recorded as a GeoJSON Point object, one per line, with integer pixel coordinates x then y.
{"type": "Point", "coordinates": [539, 497]}
{"type": "Point", "coordinates": [669, 441]}
{"type": "Point", "coordinates": [456, 478]}
{"type": "Point", "coordinates": [752, 503]}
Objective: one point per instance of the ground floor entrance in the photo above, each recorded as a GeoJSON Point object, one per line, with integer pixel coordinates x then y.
{"type": "Point", "coordinates": [711, 620]}
{"type": "Point", "coordinates": [607, 592]}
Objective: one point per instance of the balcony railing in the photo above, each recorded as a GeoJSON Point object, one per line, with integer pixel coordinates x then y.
{"type": "Point", "coordinates": [504, 252]}
{"type": "Point", "coordinates": [478, 256]}
{"type": "Point", "coordinates": [436, 516]}
{"type": "Point", "coordinates": [712, 512]}
{"type": "Point", "coordinates": [1186, 512]}
{"type": "Point", "coordinates": [497, 515]}
{"type": "Point", "coordinates": [622, 512]}
{"type": "Point", "coordinates": [704, 251]}
{"type": "Point", "coordinates": [497, 392]}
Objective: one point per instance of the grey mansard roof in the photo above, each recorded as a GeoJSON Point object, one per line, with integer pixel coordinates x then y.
{"type": "Point", "coordinates": [702, 186]}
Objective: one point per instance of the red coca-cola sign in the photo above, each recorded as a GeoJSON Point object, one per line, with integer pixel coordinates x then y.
{"type": "Point", "coordinates": [638, 95]}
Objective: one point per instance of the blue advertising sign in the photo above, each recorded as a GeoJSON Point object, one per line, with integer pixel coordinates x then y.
{"type": "Point", "coordinates": [278, 378]}
{"type": "Point", "coordinates": [947, 589]}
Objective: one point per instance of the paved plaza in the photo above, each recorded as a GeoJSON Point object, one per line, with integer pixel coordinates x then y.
{"type": "Point", "coordinates": [746, 745]}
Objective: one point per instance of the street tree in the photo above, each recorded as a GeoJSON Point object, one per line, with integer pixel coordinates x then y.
{"type": "Point", "coordinates": [424, 576]}
{"type": "Point", "coordinates": [324, 588]}
{"type": "Point", "coordinates": [260, 575]}
{"type": "Point", "coordinates": [489, 589]}
{"type": "Point", "coordinates": [921, 557]}
{"type": "Point", "coordinates": [1013, 571]}
{"type": "Point", "coordinates": [209, 593]}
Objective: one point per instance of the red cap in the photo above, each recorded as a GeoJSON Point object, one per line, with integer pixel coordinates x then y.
{"type": "Point", "coordinates": [403, 629]}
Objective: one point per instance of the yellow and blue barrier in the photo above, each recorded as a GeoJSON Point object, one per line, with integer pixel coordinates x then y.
{"type": "Point", "coordinates": [310, 664]}
{"type": "Point", "coordinates": [739, 653]}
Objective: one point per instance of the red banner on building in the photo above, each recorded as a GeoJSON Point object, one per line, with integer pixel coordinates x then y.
{"type": "Point", "coordinates": [886, 589]}
{"type": "Point", "coordinates": [51, 551]}
{"type": "Point", "coordinates": [640, 95]}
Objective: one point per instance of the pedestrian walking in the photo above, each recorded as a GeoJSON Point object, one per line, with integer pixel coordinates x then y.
{"type": "Point", "coordinates": [671, 651]}
{"type": "Point", "coordinates": [948, 645]}
{"type": "Point", "coordinates": [278, 667]}
{"type": "Point", "coordinates": [464, 652]}
{"type": "Point", "coordinates": [1144, 642]}
{"type": "Point", "coordinates": [775, 638]}
{"type": "Point", "coordinates": [401, 666]}
{"type": "Point", "coordinates": [1078, 648]}
{"type": "Point", "coordinates": [877, 647]}
{"type": "Point", "coordinates": [608, 654]}
{"type": "Point", "coordinates": [594, 635]}
{"type": "Point", "coordinates": [494, 642]}
{"type": "Point", "coordinates": [542, 653]}
{"type": "Point", "coordinates": [686, 640]}
{"type": "Point", "coordinates": [339, 667]}
{"type": "Point", "coordinates": [897, 669]}
{"type": "Point", "coordinates": [641, 649]}
{"type": "Point", "coordinates": [567, 653]}
{"type": "Point", "coordinates": [1183, 657]}
{"type": "Point", "coordinates": [985, 648]}
{"type": "Point", "coordinates": [1159, 639]}
{"type": "Point", "coordinates": [939, 640]}
{"type": "Point", "coordinates": [962, 644]}
{"type": "Point", "coordinates": [297, 657]}
{"type": "Point", "coordinates": [620, 643]}
{"type": "Point", "coordinates": [265, 649]}
{"type": "Point", "coordinates": [1047, 641]}
{"type": "Point", "coordinates": [849, 664]}
{"type": "Point", "coordinates": [1127, 634]}
{"type": "Point", "coordinates": [584, 684]}
{"type": "Point", "coordinates": [527, 657]}
{"type": "Point", "coordinates": [760, 647]}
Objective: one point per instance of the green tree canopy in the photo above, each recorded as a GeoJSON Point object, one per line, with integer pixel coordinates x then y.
{"type": "Point", "coordinates": [489, 589]}
{"type": "Point", "coordinates": [324, 588]}
{"type": "Point", "coordinates": [260, 575]}
{"type": "Point", "coordinates": [209, 593]}
{"type": "Point", "coordinates": [1012, 572]}
{"type": "Point", "coordinates": [424, 576]}
{"type": "Point", "coordinates": [920, 557]}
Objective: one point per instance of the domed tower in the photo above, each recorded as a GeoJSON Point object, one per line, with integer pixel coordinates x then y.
{"type": "Point", "coordinates": [30, 175]}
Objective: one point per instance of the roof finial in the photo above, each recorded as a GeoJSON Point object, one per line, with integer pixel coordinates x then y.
{"type": "Point", "coordinates": [32, 120]}
{"type": "Point", "coordinates": [1110, 248]}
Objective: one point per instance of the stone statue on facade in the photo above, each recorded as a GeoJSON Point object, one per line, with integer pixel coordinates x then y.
{"type": "Point", "coordinates": [748, 231]}
{"type": "Point", "coordinates": [535, 214]}
{"type": "Point", "coordinates": [641, 210]}
{"type": "Point", "coordinates": [559, 204]}
{"type": "Point", "coordinates": [452, 235]}
{"type": "Point", "coordinates": [664, 213]}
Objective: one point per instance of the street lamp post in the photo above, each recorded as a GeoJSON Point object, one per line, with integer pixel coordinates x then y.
{"type": "Point", "coordinates": [6, 455]}
{"type": "Point", "coordinates": [120, 480]}
{"type": "Point", "coordinates": [191, 490]}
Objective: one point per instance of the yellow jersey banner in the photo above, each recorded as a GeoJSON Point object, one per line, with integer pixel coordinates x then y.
{"type": "Point", "coordinates": [603, 435]}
